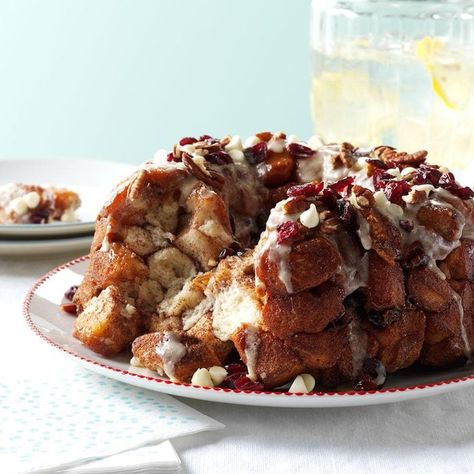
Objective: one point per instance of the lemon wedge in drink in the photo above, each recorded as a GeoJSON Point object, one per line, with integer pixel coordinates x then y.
{"type": "Point", "coordinates": [449, 80]}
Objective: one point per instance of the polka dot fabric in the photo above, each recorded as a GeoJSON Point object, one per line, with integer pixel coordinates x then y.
{"type": "Point", "coordinates": [80, 416]}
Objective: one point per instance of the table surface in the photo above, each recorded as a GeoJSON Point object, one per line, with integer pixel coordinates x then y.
{"type": "Point", "coordinates": [432, 435]}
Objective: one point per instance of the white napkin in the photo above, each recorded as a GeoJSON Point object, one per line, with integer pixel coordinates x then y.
{"type": "Point", "coordinates": [54, 423]}
{"type": "Point", "coordinates": [159, 458]}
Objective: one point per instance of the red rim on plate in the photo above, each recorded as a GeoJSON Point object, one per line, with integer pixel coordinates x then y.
{"type": "Point", "coordinates": [351, 393]}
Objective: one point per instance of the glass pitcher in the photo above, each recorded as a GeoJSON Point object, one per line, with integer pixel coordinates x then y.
{"type": "Point", "coordinates": [399, 73]}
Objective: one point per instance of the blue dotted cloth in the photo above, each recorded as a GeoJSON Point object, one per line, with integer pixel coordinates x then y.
{"type": "Point", "coordinates": [80, 416]}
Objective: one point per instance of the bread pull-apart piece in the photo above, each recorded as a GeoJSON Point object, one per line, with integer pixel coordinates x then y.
{"type": "Point", "coordinates": [444, 221]}
{"type": "Point", "coordinates": [428, 290]}
{"type": "Point", "coordinates": [397, 338]}
{"type": "Point", "coordinates": [268, 358]}
{"type": "Point", "coordinates": [109, 322]}
{"type": "Point", "coordinates": [459, 264]}
{"type": "Point", "coordinates": [176, 354]}
{"type": "Point", "coordinates": [449, 333]}
{"type": "Point", "coordinates": [310, 263]}
{"type": "Point", "coordinates": [304, 312]}
{"type": "Point", "coordinates": [385, 285]}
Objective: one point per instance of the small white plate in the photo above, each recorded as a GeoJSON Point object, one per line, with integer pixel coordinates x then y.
{"type": "Point", "coordinates": [41, 309]}
{"type": "Point", "coordinates": [92, 180]}
{"type": "Point", "coordinates": [79, 245]}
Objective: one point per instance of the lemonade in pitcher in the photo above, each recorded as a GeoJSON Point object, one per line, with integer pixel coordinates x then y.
{"type": "Point", "coordinates": [398, 73]}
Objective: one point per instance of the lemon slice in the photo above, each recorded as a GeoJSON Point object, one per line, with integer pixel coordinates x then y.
{"type": "Point", "coordinates": [426, 50]}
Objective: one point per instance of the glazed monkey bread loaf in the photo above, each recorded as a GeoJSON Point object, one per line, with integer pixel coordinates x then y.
{"type": "Point", "coordinates": [330, 260]}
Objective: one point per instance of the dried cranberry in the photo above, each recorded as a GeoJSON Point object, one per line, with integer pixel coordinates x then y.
{"type": "Point", "coordinates": [406, 224]}
{"type": "Point", "coordinates": [299, 151]}
{"type": "Point", "coordinates": [235, 368]}
{"type": "Point", "coordinates": [394, 190]}
{"type": "Point", "coordinates": [205, 137]}
{"type": "Point", "coordinates": [373, 375]}
{"type": "Point", "coordinates": [69, 295]}
{"type": "Point", "coordinates": [257, 153]}
{"type": "Point", "coordinates": [286, 231]}
{"type": "Point", "coordinates": [348, 215]}
{"type": "Point", "coordinates": [380, 179]}
{"type": "Point", "coordinates": [329, 198]}
{"type": "Point", "coordinates": [342, 184]}
{"type": "Point", "coordinates": [448, 182]}
{"type": "Point", "coordinates": [70, 308]}
{"type": "Point", "coordinates": [308, 190]}
{"type": "Point", "coordinates": [464, 193]}
{"type": "Point", "coordinates": [427, 174]}
{"type": "Point", "coordinates": [187, 141]}
{"type": "Point", "coordinates": [171, 157]}
{"type": "Point", "coordinates": [41, 216]}
{"type": "Point", "coordinates": [244, 383]}
{"type": "Point", "coordinates": [219, 158]}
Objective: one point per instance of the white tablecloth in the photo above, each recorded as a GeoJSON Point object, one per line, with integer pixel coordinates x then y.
{"type": "Point", "coordinates": [434, 435]}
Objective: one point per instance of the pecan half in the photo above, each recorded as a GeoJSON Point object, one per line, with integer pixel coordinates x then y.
{"type": "Point", "coordinates": [387, 153]}
{"type": "Point", "coordinates": [345, 154]}
{"type": "Point", "coordinates": [212, 178]}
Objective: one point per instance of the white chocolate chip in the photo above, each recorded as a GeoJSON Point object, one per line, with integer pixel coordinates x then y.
{"type": "Point", "coordinates": [234, 144]}
{"type": "Point", "coordinates": [69, 216]}
{"type": "Point", "coordinates": [303, 383]}
{"type": "Point", "coordinates": [385, 206]}
{"type": "Point", "coordinates": [395, 210]}
{"type": "Point", "coordinates": [202, 377]}
{"type": "Point", "coordinates": [135, 362]}
{"type": "Point", "coordinates": [18, 205]}
{"type": "Point", "coordinates": [443, 169]}
{"type": "Point", "coordinates": [407, 171]}
{"type": "Point", "coordinates": [188, 148]}
{"type": "Point", "coordinates": [298, 385]}
{"type": "Point", "coordinates": [309, 381]}
{"type": "Point", "coordinates": [32, 199]}
{"type": "Point", "coordinates": [427, 188]}
{"type": "Point", "coordinates": [381, 200]}
{"type": "Point", "coordinates": [237, 156]}
{"type": "Point", "coordinates": [395, 172]}
{"type": "Point", "coordinates": [218, 374]}
{"type": "Point", "coordinates": [251, 141]}
{"type": "Point", "coordinates": [360, 164]}
{"type": "Point", "coordinates": [276, 145]}
{"type": "Point", "coordinates": [310, 217]}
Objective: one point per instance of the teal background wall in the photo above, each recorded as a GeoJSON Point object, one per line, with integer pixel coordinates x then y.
{"type": "Point", "coordinates": [117, 79]}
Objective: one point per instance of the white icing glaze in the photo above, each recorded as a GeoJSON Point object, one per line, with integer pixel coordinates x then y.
{"type": "Point", "coordinates": [251, 351]}
{"type": "Point", "coordinates": [278, 253]}
{"type": "Point", "coordinates": [358, 344]}
{"type": "Point", "coordinates": [171, 350]}
{"type": "Point", "coordinates": [465, 339]}
{"type": "Point", "coordinates": [364, 233]}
